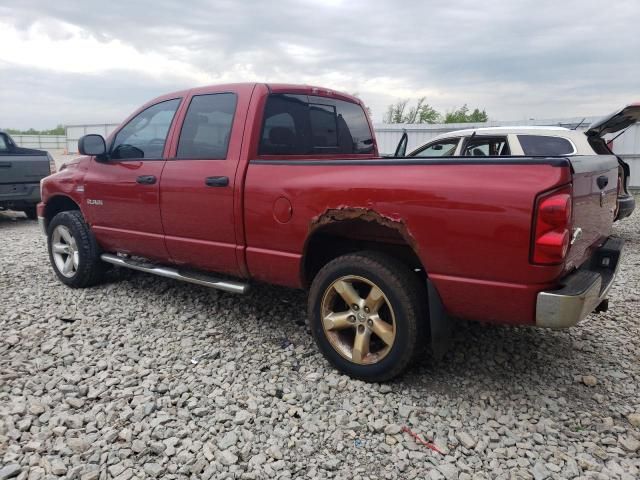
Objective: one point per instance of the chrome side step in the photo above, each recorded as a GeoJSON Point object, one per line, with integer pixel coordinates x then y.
{"type": "Point", "coordinates": [168, 272]}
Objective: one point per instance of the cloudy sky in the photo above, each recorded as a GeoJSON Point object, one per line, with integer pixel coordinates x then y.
{"type": "Point", "coordinates": [69, 62]}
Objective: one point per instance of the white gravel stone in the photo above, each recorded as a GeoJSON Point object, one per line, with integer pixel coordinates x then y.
{"type": "Point", "coordinates": [11, 470]}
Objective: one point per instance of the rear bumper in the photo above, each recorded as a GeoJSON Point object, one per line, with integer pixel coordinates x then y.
{"type": "Point", "coordinates": [626, 206]}
{"type": "Point", "coordinates": [581, 291]}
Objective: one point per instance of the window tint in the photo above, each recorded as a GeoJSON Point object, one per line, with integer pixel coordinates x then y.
{"type": "Point", "coordinates": [541, 146]}
{"type": "Point", "coordinates": [486, 147]}
{"type": "Point", "coordinates": [207, 126]}
{"type": "Point", "coordinates": [3, 144]}
{"type": "Point", "coordinates": [444, 148]}
{"type": "Point", "coordinates": [303, 125]}
{"type": "Point", "coordinates": [145, 134]}
{"type": "Point", "coordinates": [324, 126]}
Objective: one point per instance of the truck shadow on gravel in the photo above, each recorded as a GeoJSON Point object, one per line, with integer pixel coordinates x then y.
{"type": "Point", "coordinates": [505, 362]}
{"type": "Point", "coordinates": [483, 359]}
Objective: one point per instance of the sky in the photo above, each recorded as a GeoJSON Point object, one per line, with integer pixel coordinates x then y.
{"type": "Point", "coordinates": [76, 62]}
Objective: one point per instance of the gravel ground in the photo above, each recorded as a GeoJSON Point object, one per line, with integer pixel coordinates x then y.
{"type": "Point", "coordinates": [100, 383]}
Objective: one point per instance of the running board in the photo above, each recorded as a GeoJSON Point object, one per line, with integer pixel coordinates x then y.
{"type": "Point", "coordinates": [167, 272]}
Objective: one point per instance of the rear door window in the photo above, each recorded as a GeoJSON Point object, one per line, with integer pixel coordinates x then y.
{"type": "Point", "coordinates": [4, 146]}
{"type": "Point", "coordinates": [309, 125]}
{"type": "Point", "coordinates": [545, 146]}
{"type": "Point", "coordinates": [443, 148]}
{"type": "Point", "coordinates": [486, 147]}
{"type": "Point", "coordinates": [207, 127]}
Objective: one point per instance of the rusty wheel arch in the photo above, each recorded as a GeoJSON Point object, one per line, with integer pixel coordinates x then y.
{"type": "Point", "coordinates": [342, 230]}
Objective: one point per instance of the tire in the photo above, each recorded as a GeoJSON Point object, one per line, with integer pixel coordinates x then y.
{"type": "Point", "coordinates": [75, 246]}
{"type": "Point", "coordinates": [400, 302]}
{"type": "Point", "coordinates": [31, 213]}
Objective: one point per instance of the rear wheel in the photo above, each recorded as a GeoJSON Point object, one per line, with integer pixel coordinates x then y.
{"type": "Point", "coordinates": [73, 251]}
{"type": "Point", "coordinates": [367, 314]}
{"type": "Point", "coordinates": [31, 213]}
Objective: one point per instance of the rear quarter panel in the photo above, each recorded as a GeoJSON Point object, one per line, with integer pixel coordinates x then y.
{"type": "Point", "coordinates": [470, 223]}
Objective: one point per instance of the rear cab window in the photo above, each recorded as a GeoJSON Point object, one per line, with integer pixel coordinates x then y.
{"type": "Point", "coordinates": [545, 146]}
{"type": "Point", "coordinates": [314, 125]}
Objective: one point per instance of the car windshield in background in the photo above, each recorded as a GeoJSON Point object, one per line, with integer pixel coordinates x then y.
{"type": "Point", "coordinates": [545, 146]}
{"type": "Point", "coordinates": [444, 148]}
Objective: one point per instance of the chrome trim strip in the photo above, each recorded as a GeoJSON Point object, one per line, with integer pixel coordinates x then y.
{"type": "Point", "coordinates": [167, 272]}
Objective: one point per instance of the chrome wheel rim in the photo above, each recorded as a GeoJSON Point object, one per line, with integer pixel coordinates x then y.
{"type": "Point", "coordinates": [65, 251]}
{"type": "Point", "coordinates": [358, 320]}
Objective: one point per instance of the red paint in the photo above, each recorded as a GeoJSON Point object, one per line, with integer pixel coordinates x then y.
{"type": "Point", "coordinates": [417, 438]}
{"type": "Point", "coordinates": [470, 225]}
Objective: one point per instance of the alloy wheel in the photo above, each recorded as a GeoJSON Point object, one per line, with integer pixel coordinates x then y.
{"type": "Point", "coordinates": [65, 251]}
{"type": "Point", "coordinates": [358, 319]}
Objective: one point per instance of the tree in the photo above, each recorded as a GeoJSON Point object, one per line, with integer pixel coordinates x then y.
{"type": "Point", "coordinates": [59, 130]}
{"type": "Point", "coordinates": [462, 115]}
{"type": "Point", "coordinates": [422, 112]}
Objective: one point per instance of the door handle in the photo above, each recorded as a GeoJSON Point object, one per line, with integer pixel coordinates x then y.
{"type": "Point", "coordinates": [146, 179]}
{"type": "Point", "coordinates": [216, 181]}
{"type": "Point", "coordinates": [602, 181]}
{"type": "Point", "coordinates": [5, 164]}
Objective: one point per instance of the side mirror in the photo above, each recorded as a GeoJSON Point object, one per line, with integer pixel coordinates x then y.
{"type": "Point", "coordinates": [92, 144]}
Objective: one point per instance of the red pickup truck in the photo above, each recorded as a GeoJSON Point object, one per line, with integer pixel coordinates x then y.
{"type": "Point", "coordinates": [283, 184]}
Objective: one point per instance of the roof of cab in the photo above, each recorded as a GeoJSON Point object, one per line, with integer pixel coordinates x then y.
{"type": "Point", "coordinates": [291, 88]}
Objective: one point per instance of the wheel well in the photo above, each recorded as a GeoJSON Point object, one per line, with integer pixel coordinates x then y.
{"type": "Point", "coordinates": [56, 205]}
{"type": "Point", "coordinates": [347, 236]}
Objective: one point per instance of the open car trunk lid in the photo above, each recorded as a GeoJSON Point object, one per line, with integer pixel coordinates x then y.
{"type": "Point", "coordinates": [595, 192]}
{"type": "Point", "coordinates": [615, 122]}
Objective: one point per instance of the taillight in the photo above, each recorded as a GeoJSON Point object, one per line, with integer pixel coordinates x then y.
{"type": "Point", "coordinates": [552, 232]}
{"type": "Point", "coordinates": [52, 164]}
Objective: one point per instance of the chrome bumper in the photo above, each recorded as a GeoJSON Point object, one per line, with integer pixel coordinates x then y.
{"type": "Point", "coordinates": [581, 291]}
{"type": "Point", "coordinates": [42, 226]}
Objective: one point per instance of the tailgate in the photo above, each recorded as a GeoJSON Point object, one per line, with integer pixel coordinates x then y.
{"type": "Point", "coordinates": [595, 192]}
{"type": "Point", "coordinates": [23, 167]}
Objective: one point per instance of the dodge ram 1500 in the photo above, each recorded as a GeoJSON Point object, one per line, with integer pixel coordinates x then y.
{"type": "Point", "coordinates": [225, 185]}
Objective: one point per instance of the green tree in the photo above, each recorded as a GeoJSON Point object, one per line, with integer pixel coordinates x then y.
{"type": "Point", "coordinates": [462, 115]}
{"type": "Point", "coordinates": [59, 130]}
{"type": "Point", "coordinates": [422, 112]}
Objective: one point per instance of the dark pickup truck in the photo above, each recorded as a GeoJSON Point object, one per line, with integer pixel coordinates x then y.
{"type": "Point", "coordinates": [21, 170]}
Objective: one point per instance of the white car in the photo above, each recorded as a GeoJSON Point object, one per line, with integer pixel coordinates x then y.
{"type": "Point", "coordinates": [537, 142]}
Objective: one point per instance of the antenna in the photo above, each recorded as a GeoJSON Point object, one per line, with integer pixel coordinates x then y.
{"type": "Point", "coordinates": [581, 122]}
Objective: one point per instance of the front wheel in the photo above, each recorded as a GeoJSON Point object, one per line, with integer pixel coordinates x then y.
{"type": "Point", "coordinates": [367, 315]}
{"type": "Point", "coordinates": [73, 251]}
